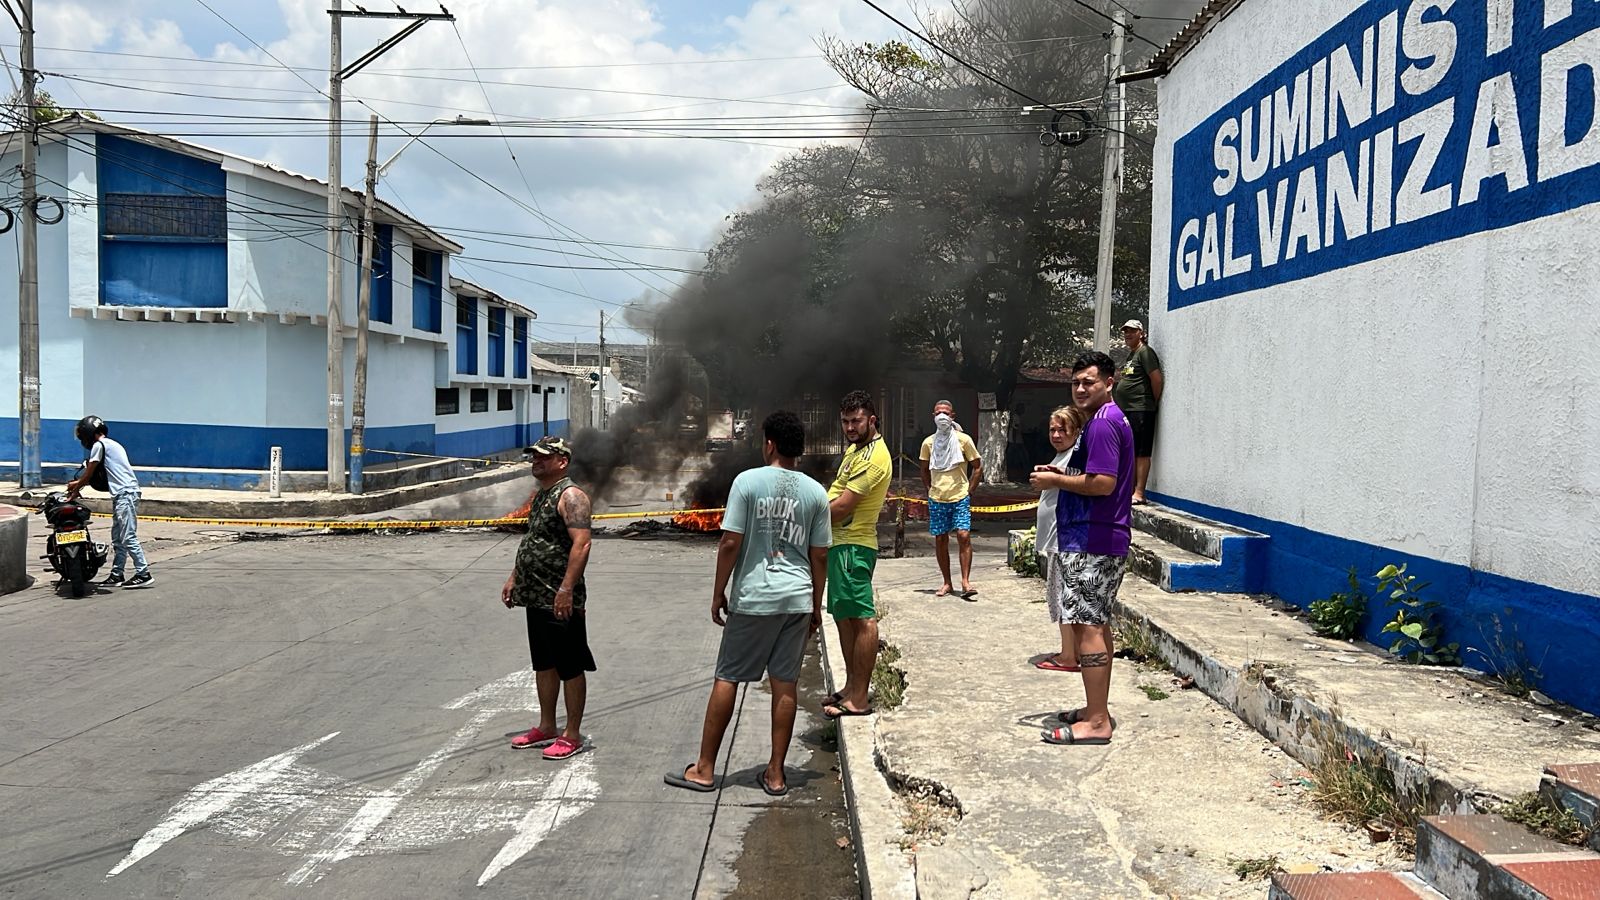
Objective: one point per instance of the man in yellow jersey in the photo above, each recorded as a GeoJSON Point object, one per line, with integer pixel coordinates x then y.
{"type": "Point", "coordinates": [854, 502]}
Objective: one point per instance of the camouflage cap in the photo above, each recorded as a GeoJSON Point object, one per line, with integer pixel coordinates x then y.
{"type": "Point", "coordinates": [547, 446]}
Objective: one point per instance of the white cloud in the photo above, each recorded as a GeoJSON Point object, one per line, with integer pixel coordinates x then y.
{"type": "Point", "coordinates": [625, 187]}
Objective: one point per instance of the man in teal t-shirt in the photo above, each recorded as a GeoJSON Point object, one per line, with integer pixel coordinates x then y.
{"type": "Point", "coordinates": [774, 549]}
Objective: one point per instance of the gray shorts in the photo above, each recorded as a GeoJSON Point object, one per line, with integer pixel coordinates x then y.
{"type": "Point", "coordinates": [757, 645]}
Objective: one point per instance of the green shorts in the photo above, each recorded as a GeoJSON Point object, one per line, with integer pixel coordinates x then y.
{"type": "Point", "coordinates": [850, 581]}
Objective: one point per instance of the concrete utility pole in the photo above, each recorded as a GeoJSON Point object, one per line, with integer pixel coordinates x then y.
{"type": "Point", "coordinates": [602, 367]}
{"type": "Point", "coordinates": [29, 473]}
{"type": "Point", "coordinates": [337, 73]}
{"type": "Point", "coordinates": [335, 270]}
{"type": "Point", "coordinates": [1110, 179]}
{"type": "Point", "coordinates": [358, 408]}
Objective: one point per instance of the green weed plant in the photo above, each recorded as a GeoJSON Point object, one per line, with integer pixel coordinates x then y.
{"type": "Point", "coordinates": [1418, 636]}
{"type": "Point", "coordinates": [1339, 616]}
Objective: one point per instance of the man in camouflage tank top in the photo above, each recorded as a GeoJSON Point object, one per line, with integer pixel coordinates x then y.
{"type": "Point", "coordinates": [547, 581]}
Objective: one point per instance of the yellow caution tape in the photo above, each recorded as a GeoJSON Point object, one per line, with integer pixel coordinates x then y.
{"type": "Point", "coordinates": [394, 524]}
{"type": "Point", "coordinates": [1010, 507]}
{"type": "Point", "coordinates": [663, 512]}
{"type": "Point", "coordinates": [434, 524]}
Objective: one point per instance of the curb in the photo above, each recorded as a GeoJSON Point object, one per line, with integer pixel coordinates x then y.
{"type": "Point", "coordinates": [324, 507]}
{"type": "Point", "coordinates": [881, 866]}
{"type": "Point", "coordinates": [1291, 718]}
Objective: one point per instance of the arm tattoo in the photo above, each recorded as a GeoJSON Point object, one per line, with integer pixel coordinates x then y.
{"type": "Point", "coordinates": [575, 509]}
{"type": "Point", "coordinates": [1094, 660]}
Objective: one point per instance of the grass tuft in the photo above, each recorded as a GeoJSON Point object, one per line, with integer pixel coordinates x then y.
{"type": "Point", "coordinates": [1133, 640]}
{"type": "Point", "coordinates": [1256, 868]}
{"type": "Point", "coordinates": [1153, 692]}
{"type": "Point", "coordinates": [888, 682]}
{"type": "Point", "coordinates": [1536, 813]}
{"type": "Point", "coordinates": [1356, 788]}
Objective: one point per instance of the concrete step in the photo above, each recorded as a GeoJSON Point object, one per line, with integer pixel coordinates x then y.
{"type": "Point", "coordinates": [1195, 534]}
{"type": "Point", "coordinates": [1351, 886]}
{"type": "Point", "coordinates": [1237, 557]}
{"type": "Point", "coordinates": [1577, 788]}
{"type": "Point", "coordinates": [1468, 857]}
{"type": "Point", "coordinates": [1171, 567]}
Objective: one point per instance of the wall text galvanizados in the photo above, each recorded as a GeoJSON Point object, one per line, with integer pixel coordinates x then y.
{"type": "Point", "coordinates": [1409, 123]}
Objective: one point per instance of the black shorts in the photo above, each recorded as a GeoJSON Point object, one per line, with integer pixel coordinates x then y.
{"type": "Point", "coordinates": [563, 646]}
{"type": "Point", "coordinates": [1143, 423]}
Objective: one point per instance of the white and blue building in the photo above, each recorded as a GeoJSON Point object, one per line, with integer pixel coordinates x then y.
{"type": "Point", "coordinates": [183, 298]}
{"type": "Point", "coordinates": [1374, 291]}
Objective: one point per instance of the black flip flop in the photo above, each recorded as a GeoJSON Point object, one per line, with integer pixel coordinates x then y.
{"type": "Point", "coordinates": [968, 595]}
{"type": "Point", "coordinates": [762, 778]}
{"type": "Point", "coordinates": [833, 699]}
{"type": "Point", "coordinates": [1070, 717]}
{"type": "Point", "coordinates": [844, 711]}
{"type": "Point", "coordinates": [683, 781]}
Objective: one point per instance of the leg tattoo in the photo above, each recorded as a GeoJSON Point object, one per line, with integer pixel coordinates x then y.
{"type": "Point", "coordinates": [1094, 660]}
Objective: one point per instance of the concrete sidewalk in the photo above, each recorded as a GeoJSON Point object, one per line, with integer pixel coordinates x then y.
{"type": "Point", "coordinates": [1189, 787]}
{"type": "Point", "coordinates": [202, 503]}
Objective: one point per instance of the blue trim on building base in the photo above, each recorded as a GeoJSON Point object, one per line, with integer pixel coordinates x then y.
{"type": "Point", "coordinates": [249, 448]}
{"type": "Point", "coordinates": [1558, 630]}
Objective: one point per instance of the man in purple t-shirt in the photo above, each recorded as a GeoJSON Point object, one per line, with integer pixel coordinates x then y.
{"type": "Point", "coordinates": [1093, 518]}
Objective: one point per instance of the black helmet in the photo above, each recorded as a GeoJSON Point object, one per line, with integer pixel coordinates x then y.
{"type": "Point", "coordinates": [89, 428]}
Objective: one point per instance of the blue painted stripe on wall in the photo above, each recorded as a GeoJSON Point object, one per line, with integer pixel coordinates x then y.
{"type": "Point", "coordinates": [478, 442]}
{"type": "Point", "coordinates": [188, 446]}
{"type": "Point", "coordinates": [1559, 630]}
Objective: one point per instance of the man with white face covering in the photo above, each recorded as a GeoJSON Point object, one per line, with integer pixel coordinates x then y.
{"type": "Point", "coordinates": [951, 469]}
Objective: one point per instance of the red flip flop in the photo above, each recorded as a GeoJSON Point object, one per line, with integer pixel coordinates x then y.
{"type": "Point", "coordinates": [1049, 664]}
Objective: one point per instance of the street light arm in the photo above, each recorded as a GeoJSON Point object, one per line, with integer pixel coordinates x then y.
{"type": "Point", "coordinates": [458, 120]}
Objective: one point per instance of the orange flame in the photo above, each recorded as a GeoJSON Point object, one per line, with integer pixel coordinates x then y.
{"type": "Point", "coordinates": [693, 520]}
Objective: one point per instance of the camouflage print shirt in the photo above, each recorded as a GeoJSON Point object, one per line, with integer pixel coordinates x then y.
{"type": "Point", "coordinates": [542, 555]}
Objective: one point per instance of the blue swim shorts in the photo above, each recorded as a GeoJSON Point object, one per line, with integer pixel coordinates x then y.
{"type": "Point", "coordinates": [944, 518]}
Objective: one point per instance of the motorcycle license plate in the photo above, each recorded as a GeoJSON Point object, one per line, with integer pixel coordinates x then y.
{"type": "Point", "coordinates": [71, 537]}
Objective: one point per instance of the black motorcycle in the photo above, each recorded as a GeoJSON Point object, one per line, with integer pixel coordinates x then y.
{"type": "Point", "coordinates": [68, 547]}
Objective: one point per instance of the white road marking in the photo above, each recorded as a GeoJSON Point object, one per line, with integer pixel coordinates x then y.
{"type": "Point", "coordinates": [213, 797]}
{"type": "Point", "coordinates": [343, 843]}
{"type": "Point", "coordinates": [317, 815]}
{"type": "Point", "coordinates": [517, 691]}
{"type": "Point", "coordinates": [564, 798]}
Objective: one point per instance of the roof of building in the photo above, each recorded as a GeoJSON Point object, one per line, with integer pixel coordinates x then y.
{"type": "Point", "coordinates": [540, 364]}
{"type": "Point", "coordinates": [77, 122]}
{"type": "Point", "coordinates": [1202, 23]}
{"type": "Point", "coordinates": [473, 289]}
{"type": "Point", "coordinates": [590, 348]}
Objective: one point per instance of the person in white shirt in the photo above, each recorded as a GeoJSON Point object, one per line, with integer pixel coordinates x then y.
{"type": "Point", "coordinates": [107, 469]}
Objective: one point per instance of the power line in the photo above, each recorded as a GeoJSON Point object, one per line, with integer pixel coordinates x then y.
{"type": "Point", "coordinates": [144, 168]}
{"type": "Point", "coordinates": [1135, 15]}
{"type": "Point", "coordinates": [1102, 14]}
{"type": "Point", "coordinates": [515, 163]}
{"type": "Point", "coordinates": [969, 66]}
{"type": "Point", "coordinates": [418, 137]}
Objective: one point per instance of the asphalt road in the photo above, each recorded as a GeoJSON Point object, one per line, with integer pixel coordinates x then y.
{"type": "Point", "coordinates": [330, 714]}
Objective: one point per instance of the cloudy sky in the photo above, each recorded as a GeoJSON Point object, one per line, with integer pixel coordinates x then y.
{"type": "Point", "coordinates": [183, 67]}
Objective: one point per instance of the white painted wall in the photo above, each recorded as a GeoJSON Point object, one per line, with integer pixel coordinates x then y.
{"type": "Point", "coordinates": [1439, 402]}
{"type": "Point", "coordinates": [262, 373]}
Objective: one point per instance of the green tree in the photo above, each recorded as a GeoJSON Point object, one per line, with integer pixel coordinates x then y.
{"type": "Point", "coordinates": [951, 232]}
{"type": "Point", "coordinates": [45, 108]}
